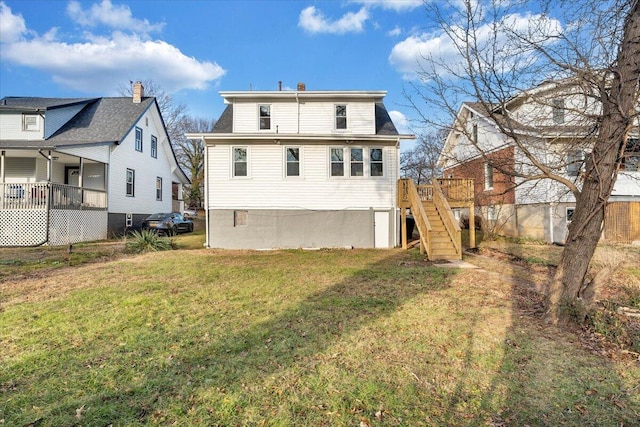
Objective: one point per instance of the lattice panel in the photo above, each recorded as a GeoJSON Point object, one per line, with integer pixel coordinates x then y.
{"type": "Point", "coordinates": [71, 226]}
{"type": "Point", "coordinates": [26, 227]}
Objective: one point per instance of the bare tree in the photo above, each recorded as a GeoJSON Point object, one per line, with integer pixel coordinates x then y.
{"type": "Point", "coordinates": [571, 47]}
{"type": "Point", "coordinates": [190, 154]}
{"type": "Point", "coordinates": [420, 163]}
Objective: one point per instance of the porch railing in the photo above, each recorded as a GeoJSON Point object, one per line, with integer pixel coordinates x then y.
{"type": "Point", "coordinates": [30, 196]}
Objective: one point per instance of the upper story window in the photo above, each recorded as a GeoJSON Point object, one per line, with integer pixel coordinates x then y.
{"type": "Point", "coordinates": [488, 176]}
{"type": "Point", "coordinates": [341, 116]}
{"type": "Point", "coordinates": [575, 160]}
{"type": "Point", "coordinates": [375, 162]}
{"type": "Point", "coordinates": [292, 161]}
{"type": "Point", "coordinates": [357, 162]}
{"type": "Point", "coordinates": [154, 147]}
{"type": "Point", "coordinates": [158, 188]}
{"type": "Point", "coordinates": [337, 162]}
{"type": "Point", "coordinates": [475, 133]}
{"type": "Point", "coordinates": [265, 116]}
{"type": "Point", "coordinates": [30, 122]}
{"type": "Point", "coordinates": [558, 111]}
{"type": "Point", "coordinates": [632, 155]}
{"type": "Point", "coordinates": [240, 161]}
{"type": "Point", "coordinates": [130, 182]}
{"type": "Point", "coordinates": [138, 139]}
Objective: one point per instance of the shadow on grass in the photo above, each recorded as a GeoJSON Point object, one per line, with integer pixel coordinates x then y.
{"type": "Point", "coordinates": [288, 366]}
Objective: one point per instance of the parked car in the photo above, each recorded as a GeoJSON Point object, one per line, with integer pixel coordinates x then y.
{"type": "Point", "coordinates": [169, 224]}
{"type": "Point", "coordinates": [190, 213]}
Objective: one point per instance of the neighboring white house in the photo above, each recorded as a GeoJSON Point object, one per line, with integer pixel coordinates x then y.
{"type": "Point", "coordinates": [302, 169]}
{"type": "Point", "coordinates": [87, 167]}
{"type": "Point", "coordinates": [553, 121]}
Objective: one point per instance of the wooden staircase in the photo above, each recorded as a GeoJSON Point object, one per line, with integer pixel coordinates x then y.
{"type": "Point", "coordinates": [440, 234]}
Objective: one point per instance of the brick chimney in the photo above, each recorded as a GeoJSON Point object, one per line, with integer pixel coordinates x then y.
{"type": "Point", "coordinates": [138, 92]}
{"type": "Point", "coordinates": [302, 87]}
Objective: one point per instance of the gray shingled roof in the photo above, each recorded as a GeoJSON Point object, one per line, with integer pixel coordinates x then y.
{"type": "Point", "coordinates": [106, 120]}
{"type": "Point", "coordinates": [384, 124]}
{"type": "Point", "coordinates": [102, 120]}
{"type": "Point", "coordinates": [35, 103]}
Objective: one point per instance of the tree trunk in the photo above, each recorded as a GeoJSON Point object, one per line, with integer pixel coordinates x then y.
{"type": "Point", "coordinates": [569, 296]}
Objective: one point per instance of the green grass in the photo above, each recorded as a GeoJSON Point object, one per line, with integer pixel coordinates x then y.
{"type": "Point", "coordinates": [284, 338]}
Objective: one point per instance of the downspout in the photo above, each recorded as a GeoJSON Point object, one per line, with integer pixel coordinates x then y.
{"type": "Point", "coordinates": [206, 193]}
{"type": "Point", "coordinates": [394, 202]}
{"type": "Point", "coordinates": [2, 173]}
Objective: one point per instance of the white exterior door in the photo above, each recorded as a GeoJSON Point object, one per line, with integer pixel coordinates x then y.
{"type": "Point", "coordinates": [381, 229]}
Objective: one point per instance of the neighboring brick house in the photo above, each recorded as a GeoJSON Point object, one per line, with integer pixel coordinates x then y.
{"type": "Point", "coordinates": [546, 119]}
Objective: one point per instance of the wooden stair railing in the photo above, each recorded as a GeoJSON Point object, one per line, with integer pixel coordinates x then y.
{"type": "Point", "coordinates": [410, 198]}
{"type": "Point", "coordinates": [449, 221]}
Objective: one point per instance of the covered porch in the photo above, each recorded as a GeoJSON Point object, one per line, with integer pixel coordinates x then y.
{"type": "Point", "coordinates": [48, 197]}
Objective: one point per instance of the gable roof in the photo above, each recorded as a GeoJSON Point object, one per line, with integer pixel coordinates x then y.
{"type": "Point", "coordinates": [100, 121]}
{"type": "Point", "coordinates": [107, 120]}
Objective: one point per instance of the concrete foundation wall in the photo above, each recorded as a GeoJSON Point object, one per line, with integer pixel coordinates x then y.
{"type": "Point", "coordinates": [271, 229]}
{"type": "Point", "coordinates": [116, 224]}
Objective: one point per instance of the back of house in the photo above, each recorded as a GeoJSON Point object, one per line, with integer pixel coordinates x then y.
{"type": "Point", "coordinates": [302, 169]}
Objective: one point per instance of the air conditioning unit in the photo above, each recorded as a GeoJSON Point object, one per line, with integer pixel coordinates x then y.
{"type": "Point", "coordinates": [129, 220]}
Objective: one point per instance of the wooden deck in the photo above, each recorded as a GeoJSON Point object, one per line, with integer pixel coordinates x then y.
{"type": "Point", "coordinates": [430, 205]}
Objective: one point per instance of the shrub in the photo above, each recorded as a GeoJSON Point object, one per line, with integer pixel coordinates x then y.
{"type": "Point", "coordinates": [148, 241]}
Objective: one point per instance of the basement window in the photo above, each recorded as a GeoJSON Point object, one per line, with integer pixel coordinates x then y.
{"type": "Point", "coordinates": [240, 218]}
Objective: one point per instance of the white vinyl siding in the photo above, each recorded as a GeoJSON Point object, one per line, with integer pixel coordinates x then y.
{"type": "Point", "coordinates": [315, 117]}
{"type": "Point", "coordinates": [98, 153]}
{"type": "Point", "coordinates": [11, 127]}
{"type": "Point", "coordinates": [269, 189]}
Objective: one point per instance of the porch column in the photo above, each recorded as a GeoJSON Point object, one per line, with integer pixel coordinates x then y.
{"type": "Point", "coordinates": [2, 167]}
{"type": "Point", "coordinates": [49, 166]}
{"type": "Point", "coordinates": [81, 172]}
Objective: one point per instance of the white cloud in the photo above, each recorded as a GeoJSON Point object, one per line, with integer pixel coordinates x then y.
{"type": "Point", "coordinates": [395, 32]}
{"type": "Point", "coordinates": [102, 62]}
{"type": "Point", "coordinates": [424, 51]}
{"type": "Point", "coordinates": [12, 27]}
{"type": "Point", "coordinates": [396, 5]}
{"type": "Point", "coordinates": [105, 13]}
{"type": "Point", "coordinates": [314, 21]}
{"type": "Point", "coordinates": [401, 121]}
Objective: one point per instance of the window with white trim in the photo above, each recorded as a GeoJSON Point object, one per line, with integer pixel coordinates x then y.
{"type": "Point", "coordinates": [30, 122]}
{"type": "Point", "coordinates": [575, 161]}
{"type": "Point", "coordinates": [557, 111]}
{"type": "Point", "coordinates": [158, 188]}
{"type": "Point", "coordinates": [130, 183]}
{"type": "Point", "coordinates": [264, 113]}
{"type": "Point", "coordinates": [292, 161]}
{"type": "Point", "coordinates": [356, 161]}
{"type": "Point", "coordinates": [138, 139]}
{"type": "Point", "coordinates": [488, 176]}
{"type": "Point", "coordinates": [376, 165]}
{"type": "Point", "coordinates": [569, 214]}
{"type": "Point", "coordinates": [154, 147]}
{"type": "Point", "coordinates": [337, 161]}
{"type": "Point", "coordinates": [341, 116]}
{"type": "Point", "coordinates": [240, 161]}
{"type": "Point", "coordinates": [632, 155]}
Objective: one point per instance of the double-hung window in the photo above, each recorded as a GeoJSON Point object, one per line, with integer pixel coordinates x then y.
{"type": "Point", "coordinates": [357, 162]}
{"type": "Point", "coordinates": [154, 147]}
{"type": "Point", "coordinates": [130, 183]}
{"type": "Point", "coordinates": [337, 161]}
{"type": "Point", "coordinates": [30, 122]}
{"type": "Point", "coordinates": [557, 111]}
{"type": "Point", "coordinates": [264, 113]}
{"type": "Point", "coordinates": [292, 161]}
{"type": "Point", "coordinates": [632, 155]}
{"type": "Point", "coordinates": [341, 116]}
{"type": "Point", "coordinates": [158, 188]}
{"type": "Point", "coordinates": [575, 159]}
{"type": "Point", "coordinates": [240, 161]}
{"type": "Point", "coordinates": [138, 139]}
{"type": "Point", "coordinates": [375, 162]}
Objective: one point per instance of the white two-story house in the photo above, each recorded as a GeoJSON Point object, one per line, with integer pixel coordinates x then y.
{"type": "Point", "coordinates": [556, 122]}
{"type": "Point", "coordinates": [302, 169]}
{"type": "Point", "coordinates": [79, 169]}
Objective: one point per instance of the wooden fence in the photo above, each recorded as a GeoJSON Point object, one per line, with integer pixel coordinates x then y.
{"type": "Point", "coordinates": [622, 222]}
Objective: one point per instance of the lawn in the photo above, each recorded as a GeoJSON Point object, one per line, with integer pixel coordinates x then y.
{"type": "Point", "coordinates": [311, 338]}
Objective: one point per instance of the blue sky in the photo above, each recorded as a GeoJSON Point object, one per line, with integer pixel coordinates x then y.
{"type": "Point", "coordinates": [193, 49]}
